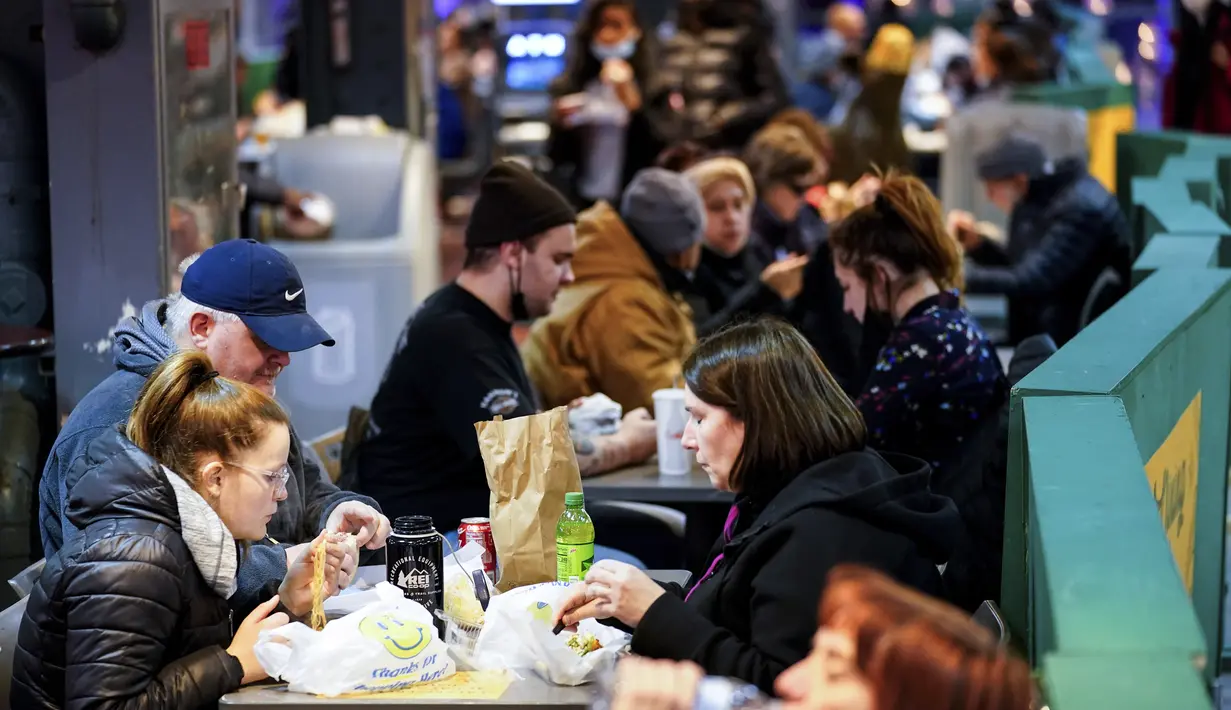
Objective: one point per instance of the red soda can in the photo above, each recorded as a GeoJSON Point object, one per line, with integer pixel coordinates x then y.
{"type": "Point", "coordinates": [479, 530]}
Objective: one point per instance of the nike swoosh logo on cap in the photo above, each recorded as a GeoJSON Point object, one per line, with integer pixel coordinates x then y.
{"type": "Point", "coordinates": [292, 296]}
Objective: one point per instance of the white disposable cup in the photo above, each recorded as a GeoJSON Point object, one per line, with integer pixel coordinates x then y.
{"type": "Point", "coordinates": [669, 414]}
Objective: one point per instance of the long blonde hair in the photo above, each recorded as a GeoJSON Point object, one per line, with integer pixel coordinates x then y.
{"type": "Point", "coordinates": [186, 411]}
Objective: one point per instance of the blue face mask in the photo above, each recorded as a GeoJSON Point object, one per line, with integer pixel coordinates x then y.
{"type": "Point", "coordinates": [620, 50]}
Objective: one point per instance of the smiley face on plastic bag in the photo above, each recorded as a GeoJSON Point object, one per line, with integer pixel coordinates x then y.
{"type": "Point", "coordinates": [402, 638]}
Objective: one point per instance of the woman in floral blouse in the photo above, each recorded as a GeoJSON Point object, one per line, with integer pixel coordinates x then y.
{"type": "Point", "coordinates": [937, 380]}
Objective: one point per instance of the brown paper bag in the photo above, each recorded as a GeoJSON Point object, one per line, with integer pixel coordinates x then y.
{"type": "Point", "coordinates": [530, 466]}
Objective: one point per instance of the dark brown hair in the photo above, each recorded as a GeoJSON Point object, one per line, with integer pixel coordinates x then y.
{"type": "Point", "coordinates": [185, 411]}
{"type": "Point", "coordinates": [782, 153]}
{"type": "Point", "coordinates": [918, 653]}
{"type": "Point", "coordinates": [482, 258]}
{"type": "Point", "coordinates": [812, 129]}
{"type": "Point", "coordinates": [902, 226]}
{"type": "Point", "coordinates": [681, 156]}
{"type": "Point", "coordinates": [766, 375]}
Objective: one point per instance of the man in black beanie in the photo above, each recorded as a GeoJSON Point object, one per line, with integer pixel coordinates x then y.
{"type": "Point", "coordinates": [456, 363]}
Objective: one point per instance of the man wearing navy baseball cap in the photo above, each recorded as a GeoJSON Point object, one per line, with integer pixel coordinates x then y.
{"type": "Point", "coordinates": [244, 305]}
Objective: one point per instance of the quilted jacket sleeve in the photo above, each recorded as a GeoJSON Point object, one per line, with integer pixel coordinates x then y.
{"type": "Point", "coordinates": [123, 601]}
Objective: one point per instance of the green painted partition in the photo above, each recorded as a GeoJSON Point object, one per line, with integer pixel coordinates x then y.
{"type": "Point", "coordinates": [1182, 250]}
{"type": "Point", "coordinates": [1091, 582]}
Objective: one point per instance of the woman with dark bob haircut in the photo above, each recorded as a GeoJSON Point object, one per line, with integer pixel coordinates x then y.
{"type": "Point", "coordinates": [769, 423]}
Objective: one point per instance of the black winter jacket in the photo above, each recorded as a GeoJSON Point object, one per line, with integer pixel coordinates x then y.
{"type": "Point", "coordinates": [754, 615]}
{"type": "Point", "coordinates": [1063, 234]}
{"type": "Point", "coordinates": [122, 618]}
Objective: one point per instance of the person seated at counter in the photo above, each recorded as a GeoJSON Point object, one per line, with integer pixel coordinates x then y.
{"type": "Point", "coordinates": [937, 379]}
{"type": "Point", "coordinates": [244, 305]}
{"type": "Point", "coordinates": [1067, 240]}
{"type": "Point", "coordinates": [133, 612]}
{"type": "Point", "coordinates": [623, 328]}
{"type": "Point", "coordinates": [603, 130]}
{"type": "Point", "coordinates": [455, 363]}
{"type": "Point", "coordinates": [730, 279]}
{"type": "Point", "coordinates": [880, 646]}
{"type": "Point", "coordinates": [769, 423]}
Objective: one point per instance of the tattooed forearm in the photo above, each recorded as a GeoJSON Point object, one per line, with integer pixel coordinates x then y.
{"type": "Point", "coordinates": [600, 454]}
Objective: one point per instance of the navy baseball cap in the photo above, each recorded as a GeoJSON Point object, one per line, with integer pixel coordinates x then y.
{"type": "Point", "coordinates": [260, 285]}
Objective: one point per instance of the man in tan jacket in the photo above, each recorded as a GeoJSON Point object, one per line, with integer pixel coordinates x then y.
{"type": "Point", "coordinates": [622, 328]}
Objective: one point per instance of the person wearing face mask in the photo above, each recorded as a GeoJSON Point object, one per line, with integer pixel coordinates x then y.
{"type": "Point", "coordinates": [937, 378]}
{"type": "Point", "coordinates": [880, 646]}
{"type": "Point", "coordinates": [730, 279]}
{"type": "Point", "coordinates": [603, 129]}
{"type": "Point", "coordinates": [243, 304]}
{"type": "Point", "coordinates": [134, 611]}
{"type": "Point", "coordinates": [455, 363]}
{"type": "Point", "coordinates": [1066, 231]}
{"type": "Point", "coordinates": [623, 328]}
{"type": "Point", "coordinates": [767, 422]}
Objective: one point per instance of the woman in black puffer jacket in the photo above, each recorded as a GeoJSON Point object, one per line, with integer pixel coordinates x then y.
{"type": "Point", "coordinates": [134, 614]}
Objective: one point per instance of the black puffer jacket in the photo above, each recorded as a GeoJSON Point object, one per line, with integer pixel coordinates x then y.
{"type": "Point", "coordinates": [721, 68]}
{"type": "Point", "coordinates": [123, 618]}
{"type": "Point", "coordinates": [1063, 234]}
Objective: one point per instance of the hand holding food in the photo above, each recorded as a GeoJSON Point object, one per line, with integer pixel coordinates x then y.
{"type": "Point", "coordinates": [363, 521]}
{"type": "Point", "coordinates": [246, 636]}
{"type": "Point", "coordinates": [786, 277]}
{"type": "Point", "coordinates": [296, 589]}
{"type": "Point", "coordinates": [611, 590]}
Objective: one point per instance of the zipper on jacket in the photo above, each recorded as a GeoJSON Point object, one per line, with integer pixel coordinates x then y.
{"type": "Point", "coordinates": [231, 621]}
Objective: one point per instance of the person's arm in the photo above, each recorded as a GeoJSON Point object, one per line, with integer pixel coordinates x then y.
{"type": "Point", "coordinates": [603, 453]}
{"type": "Point", "coordinates": [784, 597]}
{"type": "Point", "coordinates": [630, 362]}
{"type": "Point", "coordinates": [261, 569]}
{"type": "Point", "coordinates": [989, 253]}
{"type": "Point", "coordinates": [120, 615]}
{"type": "Point", "coordinates": [1067, 245]}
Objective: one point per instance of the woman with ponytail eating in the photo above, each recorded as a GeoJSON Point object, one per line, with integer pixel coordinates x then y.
{"type": "Point", "coordinates": [134, 614]}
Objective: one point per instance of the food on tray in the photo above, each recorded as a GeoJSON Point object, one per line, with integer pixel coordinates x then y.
{"type": "Point", "coordinates": [583, 643]}
{"type": "Point", "coordinates": [460, 602]}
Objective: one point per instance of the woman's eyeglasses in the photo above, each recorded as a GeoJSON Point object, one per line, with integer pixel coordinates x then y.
{"type": "Point", "coordinates": [276, 479]}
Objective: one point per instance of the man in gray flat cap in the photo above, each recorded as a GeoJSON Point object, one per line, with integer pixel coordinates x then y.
{"type": "Point", "coordinates": [1067, 256]}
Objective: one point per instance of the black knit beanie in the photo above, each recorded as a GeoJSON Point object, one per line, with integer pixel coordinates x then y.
{"type": "Point", "coordinates": [514, 204]}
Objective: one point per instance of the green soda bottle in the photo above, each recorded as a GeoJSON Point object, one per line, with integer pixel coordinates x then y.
{"type": "Point", "coordinates": [574, 540]}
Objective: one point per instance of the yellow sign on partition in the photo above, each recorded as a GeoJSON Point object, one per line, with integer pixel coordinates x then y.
{"type": "Point", "coordinates": [1172, 473]}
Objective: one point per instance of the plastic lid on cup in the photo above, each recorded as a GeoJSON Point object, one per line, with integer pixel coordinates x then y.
{"type": "Point", "coordinates": [574, 500]}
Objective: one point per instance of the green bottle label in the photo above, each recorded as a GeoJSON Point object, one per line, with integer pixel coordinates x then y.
{"type": "Point", "coordinates": [573, 560]}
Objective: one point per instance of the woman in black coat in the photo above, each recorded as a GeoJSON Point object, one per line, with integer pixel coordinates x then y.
{"type": "Point", "coordinates": [134, 614]}
{"type": "Point", "coordinates": [603, 129]}
{"type": "Point", "coordinates": [768, 423]}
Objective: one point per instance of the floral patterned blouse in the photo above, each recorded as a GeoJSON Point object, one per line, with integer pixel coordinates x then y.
{"type": "Point", "coordinates": [936, 380]}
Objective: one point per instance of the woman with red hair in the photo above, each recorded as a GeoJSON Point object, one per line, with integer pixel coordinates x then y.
{"type": "Point", "coordinates": [880, 646]}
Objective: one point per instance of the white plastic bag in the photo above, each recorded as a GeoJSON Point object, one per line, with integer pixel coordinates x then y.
{"type": "Point", "coordinates": [517, 636]}
{"type": "Point", "coordinates": [597, 415]}
{"type": "Point", "coordinates": [388, 645]}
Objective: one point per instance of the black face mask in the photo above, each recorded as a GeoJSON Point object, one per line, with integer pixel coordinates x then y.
{"type": "Point", "coordinates": [517, 300]}
{"type": "Point", "coordinates": [877, 325]}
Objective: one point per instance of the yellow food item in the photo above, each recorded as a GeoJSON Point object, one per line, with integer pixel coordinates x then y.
{"type": "Point", "coordinates": [460, 602]}
{"type": "Point", "coordinates": [318, 587]}
{"type": "Point", "coordinates": [583, 644]}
